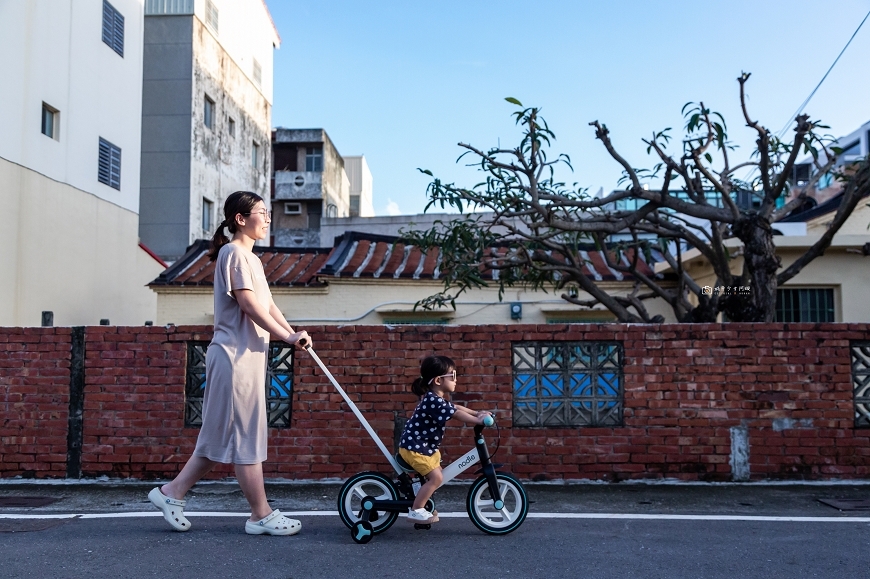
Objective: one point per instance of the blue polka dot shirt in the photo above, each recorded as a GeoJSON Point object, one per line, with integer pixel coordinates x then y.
{"type": "Point", "coordinates": [424, 431]}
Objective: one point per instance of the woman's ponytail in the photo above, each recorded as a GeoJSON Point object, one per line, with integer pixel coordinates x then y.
{"type": "Point", "coordinates": [239, 202]}
{"type": "Point", "coordinates": [218, 240]}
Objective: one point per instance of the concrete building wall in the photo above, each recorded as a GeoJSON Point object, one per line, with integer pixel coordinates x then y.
{"type": "Point", "coordinates": [380, 224]}
{"type": "Point", "coordinates": [222, 163]}
{"type": "Point", "coordinates": [54, 54]}
{"type": "Point", "coordinates": [79, 259]}
{"type": "Point", "coordinates": [842, 267]}
{"type": "Point", "coordinates": [388, 301]}
{"type": "Point", "coordinates": [167, 86]}
{"type": "Point", "coordinates": [360, 178]}
{"type": "Point", "coordinates": [196, 51]}
{"type": "Point", "coordinates": [315, 195]}
{"type": "Point", "coordinates": [72, 243]}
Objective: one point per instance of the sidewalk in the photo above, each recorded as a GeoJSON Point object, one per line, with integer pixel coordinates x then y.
{"type": "Point", "coordinates": [761, 499]}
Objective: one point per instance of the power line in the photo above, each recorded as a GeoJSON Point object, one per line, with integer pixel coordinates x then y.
{"type": "Point", "coordinates": [801, 108]}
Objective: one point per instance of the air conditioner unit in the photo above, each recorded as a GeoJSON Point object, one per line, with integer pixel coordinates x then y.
{"type": "Point", "coordinates": [293, 209]}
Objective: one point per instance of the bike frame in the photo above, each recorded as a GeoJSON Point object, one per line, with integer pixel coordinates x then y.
{"type": "Point", "coordinates": [479, 453]}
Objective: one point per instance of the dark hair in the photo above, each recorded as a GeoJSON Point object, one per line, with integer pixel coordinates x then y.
{"type": "Point", "coordinates": [239, 202]}
{"type": "Point", "coordinates": [432, 367]}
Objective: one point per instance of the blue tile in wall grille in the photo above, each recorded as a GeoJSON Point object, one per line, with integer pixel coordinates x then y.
{"type": "Point", "coordinates": [279, 384]}
{"type": "Point", "coordinates": [568, 384]}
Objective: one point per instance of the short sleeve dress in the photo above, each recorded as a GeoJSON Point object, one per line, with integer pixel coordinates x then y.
{"type": "Point", "coordinates": [234, 428]}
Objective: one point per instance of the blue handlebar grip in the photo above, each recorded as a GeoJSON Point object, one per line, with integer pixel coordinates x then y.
{"type": "Point", "coordinates": [488, 420]}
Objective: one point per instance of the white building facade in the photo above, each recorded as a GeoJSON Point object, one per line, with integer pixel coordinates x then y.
{"type": "Point", "coordinates": [360, 178]}
{"type": "Point", "coordinates": [206, 115]}
{"type": "Point", "coordinates": [70, 109]}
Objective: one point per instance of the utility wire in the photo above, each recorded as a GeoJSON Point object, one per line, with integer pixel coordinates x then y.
{"type": "Point", "coordinates": [801, 108]}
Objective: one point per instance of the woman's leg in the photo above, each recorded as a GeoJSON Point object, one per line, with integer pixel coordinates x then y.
{"type": "Point", "coordinates": [433, 481]}
{"type": "Point", "coordinates": [196, 468]}
{"type": "Point", "coordinates": [250, 477]}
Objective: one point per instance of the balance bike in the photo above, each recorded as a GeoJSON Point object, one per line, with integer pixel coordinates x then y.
{"type": "Point", "coordinates": [370, 502]}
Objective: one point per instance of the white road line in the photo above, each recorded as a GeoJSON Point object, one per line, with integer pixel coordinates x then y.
{"type": "Point", "coordinates": [458, 515]}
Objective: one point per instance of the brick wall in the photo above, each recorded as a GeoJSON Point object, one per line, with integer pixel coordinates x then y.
{"type": "Point", "coordinates": [34, 401]}
{"type": "Point", "coordinates": [786, 386]}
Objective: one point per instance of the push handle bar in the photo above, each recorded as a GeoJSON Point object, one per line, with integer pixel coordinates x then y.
{"type": "Point", "coordinates": [355, 410]}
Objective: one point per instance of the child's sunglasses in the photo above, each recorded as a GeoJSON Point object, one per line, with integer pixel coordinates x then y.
{"type": "Point", "coordinates": [451, 375]}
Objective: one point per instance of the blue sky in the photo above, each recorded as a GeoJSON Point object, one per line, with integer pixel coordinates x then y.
{"type": "Point", "coordinates": [404, 82]}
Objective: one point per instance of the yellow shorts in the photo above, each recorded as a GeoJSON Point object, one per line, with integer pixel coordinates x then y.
{"type": "Point", "coordinates": [420, 462]}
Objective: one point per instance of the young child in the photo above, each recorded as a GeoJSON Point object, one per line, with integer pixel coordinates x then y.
{"type": "Point", "coordinates": [424, 431]}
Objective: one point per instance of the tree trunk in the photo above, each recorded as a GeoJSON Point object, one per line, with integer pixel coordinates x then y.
{"type": "Point", "coordinates": [762, 263]}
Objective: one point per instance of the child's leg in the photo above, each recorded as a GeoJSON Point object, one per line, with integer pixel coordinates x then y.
{"type": "Point", "coordinates": [433, 481]}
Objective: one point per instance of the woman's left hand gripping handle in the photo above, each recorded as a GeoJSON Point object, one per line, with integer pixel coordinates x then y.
{"type": "Point", "coordinates": [300, 339]}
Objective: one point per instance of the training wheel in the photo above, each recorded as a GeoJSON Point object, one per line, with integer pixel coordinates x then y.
{"type": "Point", "coordinates": [422, 527]}
{"type": "Point", "coordinates": [362, 532]}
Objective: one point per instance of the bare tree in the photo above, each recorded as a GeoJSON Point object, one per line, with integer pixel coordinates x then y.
{"type": "Point", "coordinates": [535, 230]}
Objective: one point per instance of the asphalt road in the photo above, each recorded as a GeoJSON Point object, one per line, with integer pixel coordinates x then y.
{"type": "Point", "coordinates": [773, 531]}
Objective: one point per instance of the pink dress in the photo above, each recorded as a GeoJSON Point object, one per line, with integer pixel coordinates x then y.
{"type": "Point", "coordinates": [234, 425]}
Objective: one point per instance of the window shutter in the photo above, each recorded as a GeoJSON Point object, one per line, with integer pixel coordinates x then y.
{"type": "Point", "coordinates": [113, 28]}
{"type": "Point", "coordinates": [109, 171]}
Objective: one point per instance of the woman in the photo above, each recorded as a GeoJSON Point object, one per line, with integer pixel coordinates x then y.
{"type": "Point", "coordinates": [234, 428]}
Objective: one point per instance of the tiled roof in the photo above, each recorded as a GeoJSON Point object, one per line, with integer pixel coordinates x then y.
{"type": "Point", "coordinates": [282, 266]}
{"type": "Point", "coordinates": [355, 255]}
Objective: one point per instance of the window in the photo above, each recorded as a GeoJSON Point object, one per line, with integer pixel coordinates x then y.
{"type": "Point", "coordinates": [852, 149]}
{"type": "Point", "coordinates": [49, 121]}
{"type": "Point", "coordinates": [113, 28]}
{"type": "Point", "coordinates": [211, 15]}
{"type": "Point", "coordinates": [568, 384]}
{"type": "Point", "coordinates": [293, 208]}
{"type": "Point", "coordinates": [232, 127]}
{"type": "Point", "coordinates": [255, 155]}
{"type": "Point", "coordinates": [208, 113]}
{"type": "Point", "coordinates": [109, 172]}
{"type": "Point", "coordinates": [861, 382]}
{"type": "Point", "coordinates": [278, 385]}
{"type": "Point", "coordinates": [805, 305]}
{"type": "Point", "coordinates": [258, 73]}
{"type": "Point", "coordinates": [207, 212]}
{"type": "Point", "coordinates": [314, 159]}
{"type": "Point", "coordinates": [800, 175]}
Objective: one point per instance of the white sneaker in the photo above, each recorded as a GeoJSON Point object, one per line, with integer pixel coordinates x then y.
{"type": "Point", "coordinates": [421, 516]}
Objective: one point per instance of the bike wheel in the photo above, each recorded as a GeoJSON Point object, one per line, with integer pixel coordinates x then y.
{"type": "Point", "coordinates": [360, 486]}
{"type": "Point", "coordinates": [486, 516]}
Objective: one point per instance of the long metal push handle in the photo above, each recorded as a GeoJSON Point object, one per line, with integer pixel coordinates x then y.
{"type": "Point", "coordinates": [356, 411]}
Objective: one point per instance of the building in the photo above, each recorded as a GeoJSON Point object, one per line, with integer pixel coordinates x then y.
{"type": "Point", "coordinates": [360, 178]}
{"type": "Point", "coordinates": [206, 115]}
{"type": "Point", "coordinates": [389, 225]}
{"type": "Point", "coordinates": [70, 109]}
{"type": "Point", "coordinates": [309, 183]}
{"type": "Point", "coordinates": [373, 279]}
{"type": "Point", "coordinates": [854, 147]}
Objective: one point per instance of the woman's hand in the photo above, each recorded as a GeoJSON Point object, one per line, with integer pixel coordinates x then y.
{"type": "Point", "coordinates": [299, 339]}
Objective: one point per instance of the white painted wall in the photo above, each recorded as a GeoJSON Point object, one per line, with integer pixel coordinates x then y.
{"type": "Point", "coordinates": [54, 53]}
{"type": "Point", "coordinates": [72, 242]}
{"type": "Point", "coordinates": [360, 177]}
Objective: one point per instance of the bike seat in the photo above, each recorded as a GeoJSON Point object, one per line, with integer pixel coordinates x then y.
{"type": "Point", "coordinates": [403, 464]}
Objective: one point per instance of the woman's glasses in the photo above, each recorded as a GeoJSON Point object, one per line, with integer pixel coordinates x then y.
{"type": "Point", "coordinates": [262, 212]}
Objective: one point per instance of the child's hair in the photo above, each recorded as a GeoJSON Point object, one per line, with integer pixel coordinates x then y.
{"type": "Point", "coordinates": [239, 202]}
{"type": "Point", "coordinates": [431, 367]}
